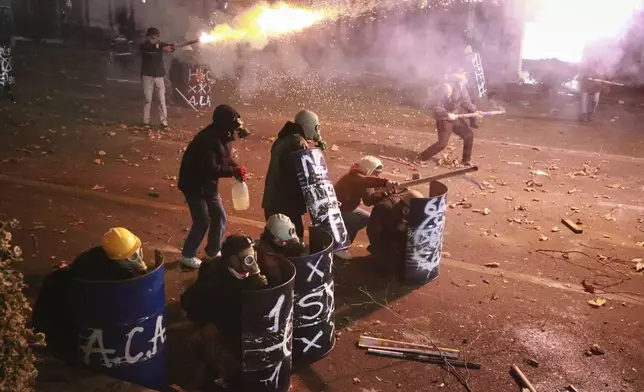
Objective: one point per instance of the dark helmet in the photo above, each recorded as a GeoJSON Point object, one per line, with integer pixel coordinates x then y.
{"type": "Point", "coordinates": [228, 118]}
{"type": "Point", "coordinates": [152, 31]}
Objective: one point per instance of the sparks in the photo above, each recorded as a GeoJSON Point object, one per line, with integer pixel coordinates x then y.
{"type": "Point", "coordinates": [264, 21]}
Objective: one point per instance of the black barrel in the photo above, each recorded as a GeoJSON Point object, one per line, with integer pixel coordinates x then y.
{"type": "Point", "coordinates": [121, 329]}
{"type": "Point", "coordinates": [314, 325]}
{"type": "Point", "coordinates": [267, 331]}
{"type": "Point", "coordinates": [319, 195]}
{"type": "Point", "coordinates": [425, 226]}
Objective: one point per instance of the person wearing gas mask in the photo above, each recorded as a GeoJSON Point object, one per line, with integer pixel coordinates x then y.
{"type": "Point", "coordinates": [214, 304]}
{"type": "Point", "coordinates": [207, 159]}
{"type": "Point", "coordinates": [153, 73]}
{"type": "Point", "coordinates": [447, 98]}
{"type": "Point", "coordinates": [360, 185]}
{"type": "Point", "coordinates": [120, 257]}
{"type": "Point", "coordinates": [387, 227]}
{"type": "Point", "coordinates": [280, 237]}
{"type": "Point", "coordinates": [282, 192]}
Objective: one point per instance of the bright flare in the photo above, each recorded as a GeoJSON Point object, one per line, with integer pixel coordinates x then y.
{"type": "Point", "coordinates": [562, 28]}
{"type": "Point", "coordinates": [262, 22]}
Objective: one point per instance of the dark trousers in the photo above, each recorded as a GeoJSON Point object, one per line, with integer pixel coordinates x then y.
{"type": "Point", "coordinates": [295, 217]}
{"type": "Point", "coordinates": [208, 215]}
{"type": "Point", "coordinates": [445, 129]}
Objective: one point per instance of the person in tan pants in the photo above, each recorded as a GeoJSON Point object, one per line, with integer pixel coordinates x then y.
{"type": "Point", "coordinates": [153, 73]}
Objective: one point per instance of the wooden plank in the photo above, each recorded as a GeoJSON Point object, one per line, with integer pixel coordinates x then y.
{"type": "Point", "coordinates": [572, 226]}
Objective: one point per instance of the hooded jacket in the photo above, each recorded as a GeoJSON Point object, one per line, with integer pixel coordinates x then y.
{"type": "Point", "coordinates": [354, 187]}
{"type": "Point", "coordinates": [282, 190]}
{"type": "Point", "coordinates": [207, 159]}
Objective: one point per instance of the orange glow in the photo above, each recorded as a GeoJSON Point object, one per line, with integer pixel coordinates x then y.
{"type": "Point", "coordinates": [562, 28]}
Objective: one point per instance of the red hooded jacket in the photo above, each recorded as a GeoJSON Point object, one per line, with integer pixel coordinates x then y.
{"type": "Point", "coordinates": [354, 187]}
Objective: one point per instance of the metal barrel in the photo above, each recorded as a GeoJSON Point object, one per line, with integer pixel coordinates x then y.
{"type": "Point", "coordinates": [425, 227]}
{"type": "Point", "coordinates": [267, 331]}
{"type": "Point", "coordinates": [319, 195]}
{"type": "Point", "coordinates": [121, 328]}
{"type": "Point", "coordinates": [314, 324]}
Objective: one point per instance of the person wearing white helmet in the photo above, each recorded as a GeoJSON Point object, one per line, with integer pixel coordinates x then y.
{"type": "Point", "coordinates": [360, 185]}
{"type": "Point", "coordinates": [447, 98]}
{"type": "Point", "coordinates": [282, 192]}
{"type": "Point", "coordinates": [280, 237]}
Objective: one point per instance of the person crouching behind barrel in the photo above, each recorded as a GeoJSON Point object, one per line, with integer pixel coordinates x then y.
{"type": "Point", "coordinates": [120, 257]}
{"type": "Point", "coordinates": [387, 227]}
{"type": "Point", "coordinates": [214, 304]}
{"type": "Point", "coordinates": [280, 237]}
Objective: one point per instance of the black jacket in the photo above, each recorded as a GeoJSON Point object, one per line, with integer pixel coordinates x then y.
{"type": "Point", "coordinates": [152, 59]}
{"type": "Point", "coordinates": [207, 159]}
{"type": "Point", "coordinates": [282, 190]}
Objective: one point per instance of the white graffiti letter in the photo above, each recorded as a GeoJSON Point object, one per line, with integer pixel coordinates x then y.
{"type": "Point", "coordinates": [275, 312]}
{"type": "Point", "coordinates": [274, 378]}
{"type": "Point", "coordinates": [128, 342]}
{"type": "Point", "coordinates": [311, 343]}
{"type": "Point", "coordinates": [89, 349]}
{"type": "Point", "coordinates": [314, 269]}
{"type": "Point", "coordinates": [159, 333]}
{"type": "Point", "coordinates": [304, 304]}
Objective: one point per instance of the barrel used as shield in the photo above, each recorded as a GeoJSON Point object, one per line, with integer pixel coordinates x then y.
{"type": "Point", "coordinates": [121, 328]}
{"type": "Point", "coordinates": [425, 227]}
{"type": "Point", "coordinates": [319, 195]}
{"type": "Point", "coordinates": [314, 324]}
{"type": "Point", "coordinates": [267, 331]}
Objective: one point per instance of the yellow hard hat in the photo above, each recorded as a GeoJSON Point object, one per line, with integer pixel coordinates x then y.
{"type": "Point", "coordinates": [120, 243]}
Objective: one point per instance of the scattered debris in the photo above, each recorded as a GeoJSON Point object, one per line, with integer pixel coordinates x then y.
{"type": "Point", "coordinates": [597, 303]}
{"type": "Point", "coordinates": [356, 380]}
{"type": "Point", "coordinates": [587, 171]}
{"type": "Point", "coordinates": [98, 161]}
{"type": "Point", "coordinates": [543, 238]}
{"type": "Point", "coordinates": [594, 350]}
{"type": "Point", "coordinates": [610, 217]}
{"type": "Point", "coordinates": [101, 153]}
{"type": "Point", "coordinates": [492, 265]}
{"type": "Point", "coordinates": [554, 229]}
{"type": "Point", "coordinates": [570, 192]}
{"type": "Point", "coordinates": [521, 379]}
{"type": "Point", "coordinates": [572, 226]}
{"type": "Point", "coordinates": [153, 193]}
{"type": "Point", "coordinates": [171, 178]}
{"type": "Point", "coordinates": [588, 287]}
{"type": "Point", "coordinates": [639, 267]}
{"type": "Point", "coordinates": [98, 187]}
{"type": "Point", "coordinates": [485, 211]}
{"type": "Point", "coordinates": [532, 362]}
{"type": "Point", "coordinates": [571, 388]}
{"type": "Point", "coordinates": [335, 148]}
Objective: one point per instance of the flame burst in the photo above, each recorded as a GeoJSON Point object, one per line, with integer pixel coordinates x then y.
{"type": "Point", "coordinates": [264, 21]}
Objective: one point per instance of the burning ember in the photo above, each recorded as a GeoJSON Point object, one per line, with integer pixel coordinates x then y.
{"type": "Point", "coordinates": [265, 21]}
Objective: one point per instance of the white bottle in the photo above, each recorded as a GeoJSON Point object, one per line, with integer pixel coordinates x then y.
{"type": "Point", "coordinates": [241, 199]}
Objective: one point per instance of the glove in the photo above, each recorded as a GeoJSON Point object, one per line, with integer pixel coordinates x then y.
{"type": "Point", "coordinates": [321, 144]}
{"type": "Point", "coordinates": [451, 117]}
{"type": "Point", "coordinates": [478, 114]}
{"type": "Point", "coordinates": [391, 185]}
{"type": "Point", "coordinates": [240, 172]}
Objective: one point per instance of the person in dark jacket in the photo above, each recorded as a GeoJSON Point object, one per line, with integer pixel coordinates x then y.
{"type": "Point", "coordinates": [214, 304]}
{"type": "Point", "coordinates": [153, 73]}
{"type": "Point", "coordinates": [448, 97]}
{"type": "Point", "coordinates": [7, 43]}
{"type": "Point", "coordinates": [120, 257]}
{"type": "Point", "coordinates": [282, 192]}
{"type": "Point", "coordinates": [207, 159]}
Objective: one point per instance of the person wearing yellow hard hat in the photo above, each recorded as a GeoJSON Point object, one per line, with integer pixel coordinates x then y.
{"type": "Point", "coordinates": [120, 257]}
{"type": "Point", "coordinates": [448, 98]}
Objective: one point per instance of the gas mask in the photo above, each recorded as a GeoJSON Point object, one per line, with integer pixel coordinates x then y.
{"type": "Point", "coordinates": [243, 266]}
{"type": "Point", "coordinates": [319, 143]}
{"type": "Point", "coordinates": [238, 128]}
{"type": "Point", "coordinates": [135, 262]}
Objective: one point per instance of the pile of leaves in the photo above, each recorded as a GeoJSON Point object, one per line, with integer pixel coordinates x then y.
{"type": "Point", "coordinates": [17, 369]}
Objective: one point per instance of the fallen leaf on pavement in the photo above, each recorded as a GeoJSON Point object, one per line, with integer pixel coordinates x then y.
{"type": "Point", "coordinates": [543, 238]}
{"type": "Point", "coordinates": [98, 161]}
{"type": "Point", "coordinates": [597, 303]}
{"type": "Point", "coordinates": [610, 217]}
{"type": "Point", "coordinates": [168, 177]}
{"type": "Point", "coordinates": [492, 265]}
{"type": "Point", "coordinates": [356, 380]}
{"type": "Point", "coordinates": [101, 153]}
{"type": "Point", "coordinates": [540, 173]}
{"type": "Point", "coordinates": [554, 229]}
{"type": "Point", "coordinates": [335, 148]}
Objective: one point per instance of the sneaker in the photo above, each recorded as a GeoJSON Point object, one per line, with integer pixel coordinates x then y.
{"type": "Point", "coordinates": [165, 127]}
{"type": "Point", "coordinates": [207, 257]}
{"type": "Point", "coordinates": [191, 262]}
{"type": "Point", "coordinates": [344, 255]}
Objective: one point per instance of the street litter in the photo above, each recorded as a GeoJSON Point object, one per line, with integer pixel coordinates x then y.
{"type": "Point", "coordinates": [521, 379]}
{"type": "Point", "coordinates": [424, 358]}
{"type": "Point", "coordinates": [597, 303]}
{"type": "Point", "coordinates": [572, 226]}
{"type": "Point", "coordinates": [369, 342]}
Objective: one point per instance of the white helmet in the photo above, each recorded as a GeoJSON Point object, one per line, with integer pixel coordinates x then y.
{"type": "Point", "coordinates": [281, 227]}
{"type": "Point", "coordinates": [369, 164]}
{"type": "Point", "coordinates": [310, 123]}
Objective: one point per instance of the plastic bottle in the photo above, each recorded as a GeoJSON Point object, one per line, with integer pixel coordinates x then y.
{"type": "Point", "coordinates": [241, 199]}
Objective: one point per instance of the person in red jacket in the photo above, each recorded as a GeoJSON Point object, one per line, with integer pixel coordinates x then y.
{"type": "Point", "coordinates": [360, 184]}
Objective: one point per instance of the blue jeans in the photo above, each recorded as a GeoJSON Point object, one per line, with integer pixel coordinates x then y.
{"type": "Point", "coordinates": [207, 212]}
{"type": "Point", "coordinates": [355, 221]}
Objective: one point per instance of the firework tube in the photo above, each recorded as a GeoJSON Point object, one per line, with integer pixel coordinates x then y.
{"type": "Point", "coordinates": [607, 82]}
{"type": "Point", "coordinates": [480, 114]}
{"type": "Point", "coordinates": [438, 177]}
{"type": "Point", "coordinates": [191, 42]}
{"type": "Point", "coordinates": [423, 358]}
{"type": "Point", "coordinates": [523, 381]}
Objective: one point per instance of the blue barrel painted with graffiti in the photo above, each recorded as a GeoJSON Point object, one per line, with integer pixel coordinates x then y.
{"type": "Point", "coordinates": [267, 329]}
{"type": "Point", "coordinates": [314, 323]}
{"type": "Point", "coordinates": [425, 227]}
{"type": "Point", "coordinates": [319, 195]}
{"type": "Point", "coordinates": [121, 328]}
